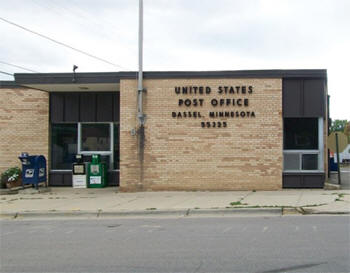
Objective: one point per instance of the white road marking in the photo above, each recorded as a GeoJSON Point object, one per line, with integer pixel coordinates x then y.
{"type": "Point", "coordinates": [150, 226]}
{"type": "Point", "coordinates": [69, 231]}
{"type": "Point", "coordinates": [226, 229]}
{"type": "Point", "coordinates": [131, 230]}
{"type": "Point", "coordinates": [111, 230]}
{"type": "Point", "coordinates": [8, 233]}
{"type": "Point", "coordinates": [264, 229]}
{"type": "Point", "coordinates": [314, 228]}
{"type": "Point", "coordinates": [297, 228]}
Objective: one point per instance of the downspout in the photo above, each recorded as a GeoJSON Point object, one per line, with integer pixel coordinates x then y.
{"type": "Point", "coordinates": [140, 115]}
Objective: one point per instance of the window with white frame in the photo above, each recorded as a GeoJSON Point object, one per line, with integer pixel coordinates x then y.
{"type": "Point", "coordinates": [303, 145]}
{"type": "Point", "coordinates": [67, 140]}
{"type": "Point", "coordinates": [95, 137]}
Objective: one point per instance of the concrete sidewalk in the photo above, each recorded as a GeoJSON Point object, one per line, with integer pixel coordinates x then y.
{"type": "Point", "coordinates": [345, 177]}
{"type": "Point", "coordinates": [108, 202]}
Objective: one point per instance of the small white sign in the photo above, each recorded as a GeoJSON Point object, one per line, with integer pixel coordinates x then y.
{"type": "Point", "coordinates": [29, 173]}
{"type": "Point", "coordinates": [95, 180]}
{"type": "Point", "coordinates": [41, 172]}
{"type": "Point", "coordinates": [79, 181]}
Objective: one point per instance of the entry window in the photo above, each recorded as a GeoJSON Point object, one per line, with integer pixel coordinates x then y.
{"type": "Point", "coordinates": [95, 137]}
{"type": "Point", "coordinates": [67, 140]}
{"type": "Point", "coordinates": [300, 133]}
{"type": "Point", "coordinates": [63, 145]}
{"type": "Point", "coordinates": [303, 144]}
{"type": "Point", "coordinates": [98, 138]}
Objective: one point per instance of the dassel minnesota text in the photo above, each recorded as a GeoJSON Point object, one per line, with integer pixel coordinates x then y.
{"type": "Point", "coordinates": [223, 108]}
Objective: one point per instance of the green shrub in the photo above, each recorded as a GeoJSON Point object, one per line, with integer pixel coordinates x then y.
{"type": "Point", "coordinates": [11, 174]}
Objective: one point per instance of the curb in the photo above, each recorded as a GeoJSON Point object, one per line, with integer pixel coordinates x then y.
{"type": "Point", "coordinates": [236, 211]}
{"type": "Point", "coordinates": [137, 213]}
{"type": "Point", "coordinates": [24, 188]}
{"type": "Point", "coordinates": [48, 214]}
{"type": "Point", "coordinates": [171, 212]}
{"type": "Point", "coordinates": [307, 211]}
{"type": "Point", "coordinates": [126, 213]}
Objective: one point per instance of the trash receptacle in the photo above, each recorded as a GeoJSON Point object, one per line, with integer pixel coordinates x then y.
{"type": "Point", "coordinates": [79, 172]}
{"type": "Point", "coordinates": [33, 169]}
{"type": "Point", "coordinates": [97, 173]}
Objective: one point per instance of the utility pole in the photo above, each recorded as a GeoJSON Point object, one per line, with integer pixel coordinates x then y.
{"type": "Point", "coordinates": [140, 90]}
{"type": "Point", "coordinates": [140, 114]}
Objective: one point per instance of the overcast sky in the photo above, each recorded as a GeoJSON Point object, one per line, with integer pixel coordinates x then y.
{"type": "Point", "coordinates": [182, 35]}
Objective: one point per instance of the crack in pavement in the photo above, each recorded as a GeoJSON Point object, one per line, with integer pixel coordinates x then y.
{"type": "Point", "coordinates": [290, 268]}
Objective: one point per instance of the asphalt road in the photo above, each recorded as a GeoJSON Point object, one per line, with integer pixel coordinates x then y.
{"type": "Point", "coordinates": [225, 244]}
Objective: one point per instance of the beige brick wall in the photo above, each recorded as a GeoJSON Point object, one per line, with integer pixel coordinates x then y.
{"type": "Point", "coordinates": [24, 124]}
{"type": "Point", "coordinates": [181, 155]}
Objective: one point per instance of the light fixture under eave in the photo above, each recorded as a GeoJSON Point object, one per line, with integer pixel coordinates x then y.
{"type": "Point", "coordinates": [74, 68]}
{"type": "Point", "coordinates": [83, 88]}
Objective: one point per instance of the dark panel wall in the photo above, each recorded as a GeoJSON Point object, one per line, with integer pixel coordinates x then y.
{"type": "Point", "coordinates": [60, 179]}
{"type": "Point", "coordinates": [56, 107]}
{"type": "Point", "coordinates": [292, 94]}
{"type": "Point", "coordinates": [116, 106]}
{"type": "Point", "coordinates": [104, 111]}
{"type": "Point", "coordinates": [57, 178]}
{"type": "Point", "coordinates": [113, 178]}
{"type": "Point", "coordinates": [84, 107]}
{"type": "Point", "coordinates": [303, 180]}
{"type": "Point", "coordinates": [88, 107]}
{"type": "Point", "coordinates": [304, 97]}
{"type": "Point", "coordinates": [71, 107]}
{"type": "Point", "coordinates": [315, 98]}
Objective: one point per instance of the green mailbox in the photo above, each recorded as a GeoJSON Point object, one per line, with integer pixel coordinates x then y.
{"type": "Point", "coordinates": [97, 173]}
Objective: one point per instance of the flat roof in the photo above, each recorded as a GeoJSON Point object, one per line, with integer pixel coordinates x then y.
{"type": "Point", "coordinates": [110, 81]}
{"type": "Point", "coordinates": [114, 77]}
{"type": "Point", "coordinates": [9, 84]}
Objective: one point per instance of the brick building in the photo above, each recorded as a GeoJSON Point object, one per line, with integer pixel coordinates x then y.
{"type": "Point", "coordinates": [214, 130]}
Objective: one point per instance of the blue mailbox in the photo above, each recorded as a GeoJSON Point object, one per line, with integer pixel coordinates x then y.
{"type": "Point", "coordinates": [33, 169]}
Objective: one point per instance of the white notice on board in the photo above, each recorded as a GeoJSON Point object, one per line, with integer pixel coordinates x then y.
{"type": "Point", "coordinates": [79, 181]}
{"type": "Point", "coordinates": [95, 179]}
